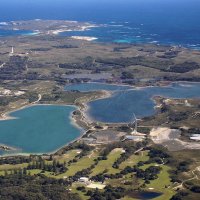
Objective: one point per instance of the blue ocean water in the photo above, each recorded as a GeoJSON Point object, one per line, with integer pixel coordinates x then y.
{"type": "Point", "coordinates": [127, 21]}
{"type": "Point", "coordinates": [39, 129]}
{"type": "Point", "coordinates": [126, 101]}
{"type": "Point", "coordinates": [15, 32]}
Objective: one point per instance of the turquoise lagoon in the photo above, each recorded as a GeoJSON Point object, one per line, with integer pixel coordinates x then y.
{"type": "Point", "coordinates": [128, 100]}
{"type": "Point", "coordinates": [39, 129]}
{"type": "Point", "coordinates": [4, 33]}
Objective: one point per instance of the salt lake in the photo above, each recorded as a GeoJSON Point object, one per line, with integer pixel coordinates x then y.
{"type": "Point", "coordinates": [127, 100]}
{"type": "Point", "coordinates": [39, 129]}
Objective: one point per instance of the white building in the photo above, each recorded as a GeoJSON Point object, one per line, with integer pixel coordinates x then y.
{"type": "Point", "coordinates": [83, 179]}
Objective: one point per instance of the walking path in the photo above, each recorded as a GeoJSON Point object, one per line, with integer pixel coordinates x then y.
{"type": "Point", "coordinates": [195, 176]}
{"type": "Point", "coordinates": [39, 98]}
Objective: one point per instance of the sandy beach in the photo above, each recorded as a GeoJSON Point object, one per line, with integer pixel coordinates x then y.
{"type": "Point", "coordinates": [84, 38]}
{"type": "Point", "coordinates": [67, 29]}
{"type": "Point", "coordinates": [6, 116]}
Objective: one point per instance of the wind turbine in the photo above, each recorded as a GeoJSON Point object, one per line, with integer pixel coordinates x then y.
{"type": "Point", "coordinates": [135, 121]}
{"type": "Point", "coordinates": [12, 50]}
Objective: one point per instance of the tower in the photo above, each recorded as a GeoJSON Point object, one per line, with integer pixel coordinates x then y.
{"type": "Point", "coordinates": [135, 121]}
{"type": "Point", "coordinates": [12, 50]}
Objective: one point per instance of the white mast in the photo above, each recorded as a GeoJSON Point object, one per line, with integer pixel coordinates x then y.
{"type": "Point", "coordinates": [135, 121]}
{"type": "Point", "coordinates": [12, 50]}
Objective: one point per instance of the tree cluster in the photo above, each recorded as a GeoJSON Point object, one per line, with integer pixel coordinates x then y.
{"type": "Point", "coordinates": [24, 187]}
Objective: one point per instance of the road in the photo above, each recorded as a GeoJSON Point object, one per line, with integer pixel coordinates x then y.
{"type": "Point", "coordinates": [194, 177]}
{"type": "Point", "coordinates": [39, 98]}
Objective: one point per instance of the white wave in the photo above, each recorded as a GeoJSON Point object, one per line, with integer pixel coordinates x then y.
{"type": "Point", "coordinates": [3, 23]}
{"type": "Point", "coordinates": [193, 45]}
{"type": "Point", "coordinates": [153, 34]}
{"type": "Point", "coordinates": [117, 25]}
{"type": "Point", "coordinates": [33, 33]}
{"type": "Point", "coordinates": [154, 42]}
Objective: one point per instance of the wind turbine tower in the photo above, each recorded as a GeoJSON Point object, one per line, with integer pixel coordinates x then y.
{"type": "Point", "coordinates": [12, 50]}
{"type": "Point", "coordinates": [135, 121]}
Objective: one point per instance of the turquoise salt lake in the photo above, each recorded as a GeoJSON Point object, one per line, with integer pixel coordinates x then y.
{"type": "Point", "coordinates": [39, 129]}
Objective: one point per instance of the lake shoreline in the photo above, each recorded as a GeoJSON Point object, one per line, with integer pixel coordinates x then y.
{"type": "Point", "coordinates": [135, 88]}
{"type": "Point", "coordinates": [83, 121]}
{"type": "Point", "coordinates": [6, 115]}
{"type": "Point", "coordinates": [13, 148]}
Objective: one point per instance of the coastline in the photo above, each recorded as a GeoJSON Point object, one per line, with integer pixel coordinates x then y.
{"type": "Point", "coordinates": [86, 38]}
{"type": "Point", "coordinates": [63, 25]}
{"type": "Point", "coordinates": [79, 28]}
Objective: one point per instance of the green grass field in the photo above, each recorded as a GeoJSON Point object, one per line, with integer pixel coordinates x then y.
{"type": "Point", "coordinates": [134, 159]}
{"type": "Point", "coordinates": [80, 193]}
{"type": "Point", "coordinates": [70, 155]}
{"type": "Point", "coordinates": [163, 184]}
{"type": "Point", "coordinates": [11, 167]}
{"type": "Point", "coordinates": [107, 164]}
{"type": "Point", "coordinates": [81, 164]}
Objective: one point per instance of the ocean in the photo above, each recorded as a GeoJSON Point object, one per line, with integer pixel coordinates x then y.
{"type": "Point", "coordinates": [165, 22]}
